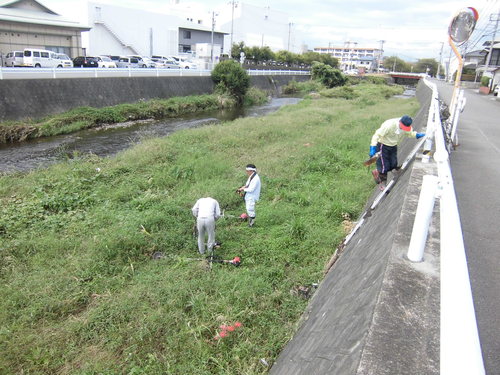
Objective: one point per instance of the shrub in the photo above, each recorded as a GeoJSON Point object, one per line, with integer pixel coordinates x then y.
{"type": "Point", "coordinates": [345, 92]}
{"type": "Point", "coordinates": [327, 75]}
{"type": "Point", "coordinates": [294, 87]}
{"type": "Point", "coordinates": [229, 77]}
{"type": "Point", "coordinates": [485, 81]}
{"type": "Point", "coordinates": [291, 88]}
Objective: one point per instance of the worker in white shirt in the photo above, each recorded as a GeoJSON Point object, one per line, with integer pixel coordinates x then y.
{"type": "Point", "coordinates": [251, 191]}
{"type": "Point", "coordinates": [207, 211]}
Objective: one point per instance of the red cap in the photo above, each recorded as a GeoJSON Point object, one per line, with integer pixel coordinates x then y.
{"type": "Point", "coordinates": [405, 123]}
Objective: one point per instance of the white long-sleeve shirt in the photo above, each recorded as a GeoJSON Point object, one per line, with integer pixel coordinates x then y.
{"type": "Point", "coordinates": [206, 208]}
{"type": "Point", "coordinates": [252, 189]}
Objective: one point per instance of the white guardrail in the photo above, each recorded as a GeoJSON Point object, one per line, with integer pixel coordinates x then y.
{"type": "Point", "coordinates": [56, 73]}
{"type": "Point", "coordinates": [460, 349]}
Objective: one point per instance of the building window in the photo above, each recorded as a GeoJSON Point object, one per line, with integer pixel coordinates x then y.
{"type": "Point", "coordinates": [184, 48]}
{"type": "Point", "coordinates": [186, 34]}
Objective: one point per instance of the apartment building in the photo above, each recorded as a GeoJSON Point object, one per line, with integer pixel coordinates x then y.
{"type": "Point", "coordinates": [353, 57]}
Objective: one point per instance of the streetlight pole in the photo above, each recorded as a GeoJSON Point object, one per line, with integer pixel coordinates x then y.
{"type": "Point", "coordinates": [289, 32]}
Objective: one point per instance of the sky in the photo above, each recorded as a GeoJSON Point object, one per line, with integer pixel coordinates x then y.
{"type": "Point", "coordinates": [410, 29]}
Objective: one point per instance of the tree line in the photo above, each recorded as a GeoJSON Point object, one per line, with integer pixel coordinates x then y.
{"type": "Point", "coordinates": [264, 55]}
{"type": "Point", "coordinates": [395, 64]}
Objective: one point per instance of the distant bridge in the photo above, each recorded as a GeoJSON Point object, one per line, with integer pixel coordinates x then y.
{"type": "Point", "coordinates": [406, 78]}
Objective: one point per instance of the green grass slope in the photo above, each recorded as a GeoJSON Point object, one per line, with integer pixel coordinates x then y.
{"type": "Point", "coordinates": [80, 293]}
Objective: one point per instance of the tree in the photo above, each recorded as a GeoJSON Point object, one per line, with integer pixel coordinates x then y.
{"type": "Point", "coordinates": [329, 60]}
{"type": "Point", "coordinates": [266, 54]}
{"type": "Point", "coordinates": [423, 64]}
{"type": "Point", "coordinates": [309, 57]}
{"type": "Point", "coordinates": [396, 64]}
{"type": "Point", "coordinates": [284, 56]}
{"type": "Point", "coordinates": [327, 75]}
{"type": "Point", "coordinates": [236, 50]}
{"type": "Point", "coordinates": [229, 77]}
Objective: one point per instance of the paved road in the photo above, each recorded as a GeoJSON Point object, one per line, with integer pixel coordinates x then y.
{"type": "Point", "coordinates": [476, 173]}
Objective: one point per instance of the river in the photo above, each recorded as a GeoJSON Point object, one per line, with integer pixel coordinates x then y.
{"type": "Point", "coordinates": [108, 140]}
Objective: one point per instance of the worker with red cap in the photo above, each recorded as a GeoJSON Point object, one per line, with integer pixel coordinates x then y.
{"type": "Point", "coordinates": [385, 141]}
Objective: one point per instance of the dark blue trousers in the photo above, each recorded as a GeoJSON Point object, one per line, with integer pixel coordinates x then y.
{"type": "Point", "coordinates": [388, 159]}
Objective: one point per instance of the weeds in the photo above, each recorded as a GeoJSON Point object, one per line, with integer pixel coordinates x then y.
{"type": "Point", "coordinates": [80, 293]}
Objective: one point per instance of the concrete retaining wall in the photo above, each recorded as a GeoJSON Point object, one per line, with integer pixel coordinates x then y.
{"type": "Point", "coordinates": [36, 98]}
{"type": "Point", "coordinates": [375, 312]}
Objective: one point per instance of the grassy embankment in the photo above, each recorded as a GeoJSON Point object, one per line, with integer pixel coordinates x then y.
{"type": "Point", "coordinates": [80, 294]}
{"type": "Point", "coordinates": [87, 117]}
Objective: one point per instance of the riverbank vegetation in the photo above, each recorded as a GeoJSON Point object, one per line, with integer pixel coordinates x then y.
{"type": "Point", "coordinates": [80, 292]}
{"type": "Point", "coordinates": [87, 117]}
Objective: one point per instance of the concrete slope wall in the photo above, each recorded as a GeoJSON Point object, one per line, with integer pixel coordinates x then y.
{"type": "Point", "coordinates": [36, 98]}
{"type": "Point", "coordinates": [375, 312]}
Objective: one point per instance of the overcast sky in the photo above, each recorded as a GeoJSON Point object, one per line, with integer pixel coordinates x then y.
{"type": "Point", "coordinates": [411, 29]}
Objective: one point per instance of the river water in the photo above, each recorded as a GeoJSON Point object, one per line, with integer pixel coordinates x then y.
{"type": "Point", "coordinates": [108, 140]}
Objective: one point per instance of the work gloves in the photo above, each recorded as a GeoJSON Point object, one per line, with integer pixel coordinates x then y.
{"type": "Point", "coordinates": [373, 150]}
{"type": "Point", "coordinates": [420, 135]}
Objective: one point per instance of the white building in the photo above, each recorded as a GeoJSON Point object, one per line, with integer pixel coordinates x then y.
{"type": "Point", "coordinates": [354, 57]}
{"type": "Point", "coordinates": [119, 30]}
{"type": "Point", "coordinates": [256, 26]}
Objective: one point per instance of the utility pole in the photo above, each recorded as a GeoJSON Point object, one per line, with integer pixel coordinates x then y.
{"type": "Point", "coordinates": [448, 73]}
{"type": "Point", "coordinates": [491, 45]}
{"type": "Point", "coordinates": [380, 54]}
{"type": "Point", "coordinates": [289, 32]}
{"type": "Point", "coordinates": [151, 41]}
{"type": "Point", "coordinates": [232, 23]}
{"type": "Point", "coordinates": [212, 40]}
{"type": "Point", "coordinates": [440, 60]}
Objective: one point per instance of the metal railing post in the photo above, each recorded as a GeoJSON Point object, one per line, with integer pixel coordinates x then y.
{"type": "Point", "coordinates": [422, 218]}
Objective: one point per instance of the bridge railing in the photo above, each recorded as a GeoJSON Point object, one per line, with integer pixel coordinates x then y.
{"type": "Point", "coordinates": [57, 73]}
{"type": "Point", "coordinates": [460, 350]}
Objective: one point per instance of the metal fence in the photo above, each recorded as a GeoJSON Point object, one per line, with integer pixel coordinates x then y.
{"type": "Point", "coordinates": [57, 73]}
{"type": "Point", "coordinates": [460, 349]}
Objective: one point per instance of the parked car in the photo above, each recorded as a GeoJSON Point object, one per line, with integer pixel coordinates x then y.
{"type": "Point", "coordinates": [130, 62]}
{"type": "Point", "coordinates": [39, 58]}
{"type": "Point", "coordinates": [166, 64]}
{"type": "Point", "coordinates": [64, 61]}
{"type": "Point", "coordinates": [160, 57]}
{"type": "Point", "coordinates": [105, 62]}
{"type": "Point", "coordinates": [352, 72]}
{"type": "Point", "coordinates": [146, 61]}
{"type": "Point", "coordinates": [185, 63]}
{"type": "Point", "coordinates": [14, 58]}
{"type": "Point", "coordinates": [85, 62]}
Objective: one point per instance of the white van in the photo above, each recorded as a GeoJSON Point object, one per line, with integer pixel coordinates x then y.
{"type": "Point", "coordinates": [14, 58]}
{"type": "Point", "coordinates": [40, 58]}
